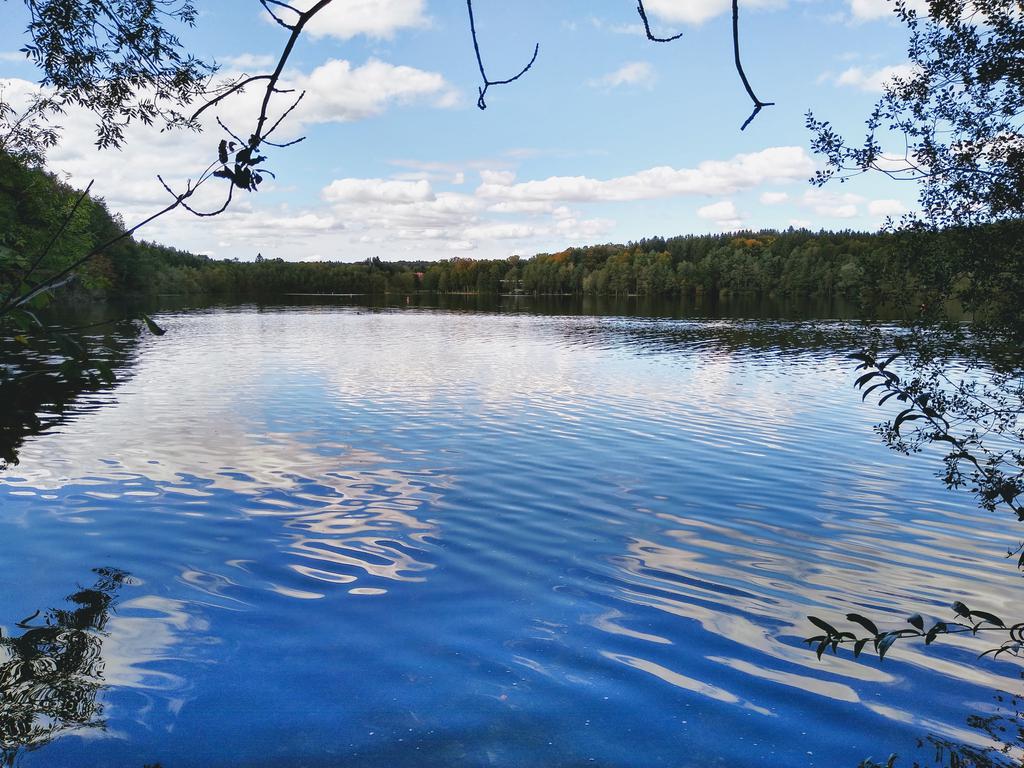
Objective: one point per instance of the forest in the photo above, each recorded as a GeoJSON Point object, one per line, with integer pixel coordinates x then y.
{"type": "Point", "coordinates": [793, 263]}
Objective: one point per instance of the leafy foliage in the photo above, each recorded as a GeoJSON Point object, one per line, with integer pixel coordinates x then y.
{"type": "Point", "coordinates": [964, 620]}
{"type": "Point", "coordinates": [956, 115]}
{"type": "Point", "coordinates": [962, 413]}
{"type": "Point", "coordinates": [27, 134]}
{"type": "Point", "coordinates": [117, 58]}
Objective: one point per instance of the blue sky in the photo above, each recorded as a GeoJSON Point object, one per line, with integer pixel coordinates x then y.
{"type": "Point", "coordinates": [608, 138]}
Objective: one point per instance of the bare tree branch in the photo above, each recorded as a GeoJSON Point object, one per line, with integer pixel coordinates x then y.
{"type": "Point", "coordinates": [647, 26]}
{"type": "Point", "coordinates": [758, 104]}
{"type": "Point", "coordinates": [228, 90]}
{"type": "Point", "coordinates": [480, 62]}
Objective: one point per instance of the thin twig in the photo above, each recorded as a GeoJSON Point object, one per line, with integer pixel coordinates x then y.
{"type": "Point", "coordinates": [274, 16]}
{"type": "Point", "coordinates": [233, 88]}
{"type": "Point", "coordinates": [647, 26]}
{"type": "Point", "coordinates": [758, 104]}
{"type": "Point", "coordinates": [480, 62]}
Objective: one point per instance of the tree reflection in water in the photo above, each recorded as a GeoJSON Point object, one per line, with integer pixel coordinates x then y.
{"type": "Point", "coordinates": [999, 744]}
{"type": "Point", "coordinates": [51, 675]}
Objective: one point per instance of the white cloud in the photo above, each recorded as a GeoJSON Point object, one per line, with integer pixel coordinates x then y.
{"type": "Point", "coordinates": [497, 178]}
{"type": "Point", "coordinates": [871, 10]}
{"type": "Point", "coordinates": [249, 62]}
{"type": "Point", "coordinates": [377, 190]}
{"type": "Point", "coordinates": [573, 229]}
{"type": "Point", "coordinates": [500, 232]}
{"type": "Point", "coordinates": [886, 208]}
{"type": "Point", "coordinates": [635, 73]}
{"type": "Point", "coordinates": [345, 19]}
{"type": "Point", "coordinates": [13, 56]}
{"type": "Point", "coordinates": [698, 11]}
{"type": "Point", "coordinates": [722, 213]}
{"type": "Point", "coordinates": [127, 179]}
{"type": "Point", "coordinates": [831, 204]}
{"type": "Point", "coordinates": [337, 92]}
{"type": "Point", "coordinates": [522, 206]}
{"type": "Point", "coordinates": [774, 198]}
{"type": "Point", "coordinates": [873, 81]}
{"type": "Point", "coordinates": [712, 177]}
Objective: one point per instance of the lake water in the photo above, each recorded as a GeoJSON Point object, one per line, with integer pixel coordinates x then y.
{"type": "Point", "coordinates": [325, 535]}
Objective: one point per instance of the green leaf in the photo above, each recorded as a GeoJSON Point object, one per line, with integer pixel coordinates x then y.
{"type": "Point", "coordinates": [823, 625]}
{"type": "Point", "coordinates": [871, 389]}
{"type": "Point", "coordinates": [41, 300]}
{"type": "Point", "coordinates": [821, 648]}
{"type": "Point", "coordinates": [155, 329]}
{"type": "Point", "coordinates": [885, 643]}
{"type": "Point", "coordinates": [938, 629]}
{"type": "Point", "coordinates": [860, 382]}
{"type": "Point", "coordinates": [961, 610]}
{"type": "Point", "coordinates": [917, 621]}
{"type": "Point", "coordinates": [989, 617]}
{"type": "Point", "coordinates": [867, 623]}
{"type": "Point", "coordinates": [882, 366]}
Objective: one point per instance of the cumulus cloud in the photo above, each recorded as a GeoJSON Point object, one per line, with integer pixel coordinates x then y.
{"type": "Point", "coordinates": [500, 232]}
{"type": "Point", "coordinates": [497, 178]}
{"type": "Point", "coordinates": [522, 206]}
{"type": "Point", "coordinates": [377, 190]}
{"type": "Point", "coordinates": [886, 208]}
{"type": "Point", "coordinates": [873, 81]}
{"type": "Point", "coordinates": [249, 62]}
{"type": "Point", "coordinates": [712, 177]}
{"type": "Point", "coordinates": [774, 198]}
{"type": "Point", "coordinates": [634, 73]}
{"type": "Point", "coordinates": [871, 10]}
{"type": "Point", "coordinates": [337, 92]}
{"type": "Point", "coordinates": [388, 210]}
{"type": "Point", "coordinates": [722, 213]}
{"type": "Point", "coordinates": [344, 19]}
{"type": "Point", "coordinates": [831, 204]}
{"type": "Point", "coordinates": [699, 11]}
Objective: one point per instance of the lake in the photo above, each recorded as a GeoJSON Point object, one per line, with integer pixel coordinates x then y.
{"type": "Point", "coordinates": [323, 534]}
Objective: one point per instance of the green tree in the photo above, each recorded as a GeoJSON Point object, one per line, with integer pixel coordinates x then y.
{"type": "Point", "coordinates": [959, 113]}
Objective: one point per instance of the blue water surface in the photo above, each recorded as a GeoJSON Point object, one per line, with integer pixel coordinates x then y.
{"type": "Point", "coordinates": [335, 536]}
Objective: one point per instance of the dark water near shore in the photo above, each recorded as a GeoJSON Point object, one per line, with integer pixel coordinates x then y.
{"type": "Point", "coordinates": [339, 535]}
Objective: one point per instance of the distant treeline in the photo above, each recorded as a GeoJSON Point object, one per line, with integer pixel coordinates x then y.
{"type": "Point", "coordinates": [795, 263]}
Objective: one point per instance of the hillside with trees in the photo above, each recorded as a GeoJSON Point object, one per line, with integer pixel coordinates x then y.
{"type": "Point", "coordinates": [34, 204]}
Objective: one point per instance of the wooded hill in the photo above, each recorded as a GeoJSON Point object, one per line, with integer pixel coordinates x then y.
{"type": "Point", "coordinates": [795, 263]}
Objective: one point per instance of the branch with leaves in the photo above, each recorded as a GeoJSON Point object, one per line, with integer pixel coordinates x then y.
{"type": "Point", "coordinates": [965, 621]}
{"type": "Point", "coordinates": [968, 415]}
{"type": "Point", "coordinates": [936, 405]}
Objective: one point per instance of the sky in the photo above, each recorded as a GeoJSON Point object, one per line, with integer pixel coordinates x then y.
{"type": "Point", "coordinates": [608, 138]}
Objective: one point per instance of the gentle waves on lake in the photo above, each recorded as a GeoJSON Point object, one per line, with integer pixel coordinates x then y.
{"type": "Point", "coordinates": [332, 536]}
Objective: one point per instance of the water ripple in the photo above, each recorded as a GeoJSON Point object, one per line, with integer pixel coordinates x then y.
{"type": "Point", "coordinates": [432, 538]}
